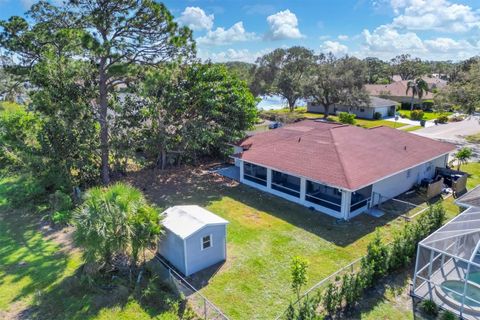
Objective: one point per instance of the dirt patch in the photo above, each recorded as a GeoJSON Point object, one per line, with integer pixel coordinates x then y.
{"type": "Point", "coordinates": [61, 236]}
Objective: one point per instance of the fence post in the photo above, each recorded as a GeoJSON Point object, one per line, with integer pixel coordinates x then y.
{"type": "Point", "coordinates": [204, 309]}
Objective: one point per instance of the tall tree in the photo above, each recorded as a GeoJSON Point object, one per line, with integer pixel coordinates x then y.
{"type": "Point", "coordinates": [116, 36]}
{"type": "Point", "coordinates": [284, 72]}
{"type": "Point", "coordinates": [378, 71]}
{"type": "Point", "coordinates": [337, 81]}
{"type": "Point", "coordinates": [418, 88]}
{"type": "Point", "coordinates": [464, 92]}
{"type": "Point", "coordinates": [187, 112]}
{"type": "Point", "coordinates": [407, 67]}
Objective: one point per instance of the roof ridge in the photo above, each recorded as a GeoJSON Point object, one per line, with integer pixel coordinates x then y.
{"type": "Point", "coordinates": [338, 155]}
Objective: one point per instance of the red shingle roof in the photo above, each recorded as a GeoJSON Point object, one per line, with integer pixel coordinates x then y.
{"type": "Point", "coordinates": [344, 156]}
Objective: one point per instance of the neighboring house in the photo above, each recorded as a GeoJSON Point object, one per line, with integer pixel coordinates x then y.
{"type": "Point", "coordinates": [194, 238]}
{"type": "Point", "coordinates": [397, 90]}
{"type": "Point", "coordinates": [337, 169]}
{"type": "Point", "coordinates": [383, 106]}
{"type": "Point", "coordinates": [447, 268]}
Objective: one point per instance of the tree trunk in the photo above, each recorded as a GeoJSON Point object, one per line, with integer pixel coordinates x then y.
{"type": "Point", "coordinates": [326, 111]}
{"type": "Point", "coordinates": [411, 103]}
{"type": "Point", "coordinates": [103, 102]}
{"type": "Point", "coordinates": [291, 105]}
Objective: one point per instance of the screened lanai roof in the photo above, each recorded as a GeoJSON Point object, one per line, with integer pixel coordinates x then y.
{"type": "Point", "coordinates": [459, 238]}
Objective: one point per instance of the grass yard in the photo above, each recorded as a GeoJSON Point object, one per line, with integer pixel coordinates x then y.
{"type": "Point", "coordinates": [301, 112]}
{"type": "Point", "coordinates": [38, 274]}
{"type": "Point", "coordinates": [264, 233]}
{"type": "Point", "coordinates": [474, 138]}
{"type": "Point", "coordinates": [411, 128]}
{"type": "Point", "coordinates": [427, 115]}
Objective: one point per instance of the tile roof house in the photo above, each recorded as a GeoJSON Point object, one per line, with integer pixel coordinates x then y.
{"type": "Point", "coordinates": [376, 105]}
{"type": "Point", "coordinates": [338, 169]}
{"type": "Point", "coordinates": [397, 90]}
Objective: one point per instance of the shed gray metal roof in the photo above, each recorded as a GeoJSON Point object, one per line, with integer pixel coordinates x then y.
{"type": "Point", "coordinates": [186, 220]}
{"type": "Point", "coordinates": [376, 102]}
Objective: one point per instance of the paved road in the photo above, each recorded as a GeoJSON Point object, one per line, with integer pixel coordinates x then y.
{"type": "Point", "coordinates": [455, 132]}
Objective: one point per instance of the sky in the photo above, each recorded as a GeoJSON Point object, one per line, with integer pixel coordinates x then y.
{"type": "Point", "coordinates": [236, 30]}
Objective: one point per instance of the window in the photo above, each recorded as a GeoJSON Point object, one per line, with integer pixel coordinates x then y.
{"type": "Point", "coordinates": [206, 242]}
{"type": "Point", "coordinates": [362, 110]}
{"type": "Point", "coordinates": [255, 173]}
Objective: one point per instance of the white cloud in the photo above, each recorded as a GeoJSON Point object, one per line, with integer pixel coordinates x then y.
{"type": "Point", "coordinates": [437, 15]}
{"type": "Point", "coordinates": [386, 39]}
{"type": "Point", "coordinates": [283, 25]}
{"type": "Point", "coordinates": [221, 36]}
{"type": "Point", "coordinates": [334, 47]}
{"type": "Point", "coordinates": [243, 55]}
{"type": "Point", "coordinates": [196, 19]}
{"type": "Point", "coordinates": [386, 42]}
{"type": "Point", "coordinates": [343, 37]}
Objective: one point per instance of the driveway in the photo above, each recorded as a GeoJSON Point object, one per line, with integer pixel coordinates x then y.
{"type": "Point", "coordinates": [455, 133]}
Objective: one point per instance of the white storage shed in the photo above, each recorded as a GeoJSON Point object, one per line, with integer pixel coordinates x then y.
{"type": "Point", "coordinates": [195, 238]}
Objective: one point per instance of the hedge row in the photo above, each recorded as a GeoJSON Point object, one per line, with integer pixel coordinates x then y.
{"type": "Point", "coordinates": [380, 260]}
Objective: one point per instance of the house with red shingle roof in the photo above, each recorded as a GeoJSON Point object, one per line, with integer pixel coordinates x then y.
{"type": "Point", "coordinates": [337, 169]}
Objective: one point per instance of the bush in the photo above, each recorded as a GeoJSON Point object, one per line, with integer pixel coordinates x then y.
{"type": "Point", "coordinates": [60, 205]}
{"type": "Point", "coordinates": [416, 115]}
{"type": "Point", "coordinates": [391, 113]}
{"type": "Point", "coordinates": [448, 315]}
{"type": "Point", "coordinates": [429, 307]}
{"type": "Point", "coordinates": [347, 118]}
{"type": "Point", "coordinates": [442, 118]}
{"type": "Point", "coordinates": [115, 221]}
{"type": "Point", "coordinates": [377, 116]}
{"type": "Point", "coordinates": [427, 105]}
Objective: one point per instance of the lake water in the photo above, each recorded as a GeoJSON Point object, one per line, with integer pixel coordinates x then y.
{"type": "Point", "coordinates": [276, 102]}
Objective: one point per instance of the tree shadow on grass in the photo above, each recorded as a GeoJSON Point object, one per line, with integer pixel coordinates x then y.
{"type": "Point", "coordinates": [28, 262]}
{"type": "Point", "coordinates": [74, 298]}
{"type": "Point", "coordinates": [199, 186]}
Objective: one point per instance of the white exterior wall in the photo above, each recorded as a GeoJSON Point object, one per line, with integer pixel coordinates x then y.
{"type": "Point", "coordinates": [197, 259]}
{"type": "Point", "coordinates": [399, 183]}
{"type": "Point", "coordinates": [382, 110]}
{"type": "Point", "coordinates": [236, 150]}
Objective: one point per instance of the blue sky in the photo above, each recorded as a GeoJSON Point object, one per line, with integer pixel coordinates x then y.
{"type": "Point", "coordinates": [243, 30]}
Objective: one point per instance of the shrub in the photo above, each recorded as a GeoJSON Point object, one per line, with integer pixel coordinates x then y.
{"type": "Point", "coordinates": [442, 118]}
{"type": "Point", "coordinates": [448, 315]}
{"type": "Point", "coordinates": [347, 118]}
{"type": "Point", "coordinates": [114, 221]}
{"type": "Point", "coordinates": [416, 115]}
{"type": "Point", "coordinates": [376, 258]}
{"type": "Point", "coordinates": [377, 116]}
{"type": "Point", "coordinates": [330, 299]}
{"type": "Point", "coordinates": [391, 113]}
{"type": "Point", "coordinates": [60, 205]}
{"type": "Point", "coordinates": [429, 307]}
{"type": "Point", "coordinates": [427, 105]}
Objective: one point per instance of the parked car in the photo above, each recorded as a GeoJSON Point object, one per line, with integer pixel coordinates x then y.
{"type": "Point", "coordinates": [275, 125]}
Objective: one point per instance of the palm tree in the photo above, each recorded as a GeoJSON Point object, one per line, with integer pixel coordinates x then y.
{"type": "Point", "coordinates": [116, 220]}
{"type": "Point", "coordinates": [462, 156]}
{"type": "Point", "coordinates": [418, 87]}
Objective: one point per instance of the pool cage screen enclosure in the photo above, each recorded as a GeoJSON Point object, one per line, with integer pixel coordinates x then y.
{"type": "Point", "coordinates": [447, 269]}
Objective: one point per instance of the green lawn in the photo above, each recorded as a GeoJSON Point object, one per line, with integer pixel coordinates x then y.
{"type": "Point", "coordinates": [264, 233]}
{"type": "Point", "coordinates": [301, 112]}
{"type": "Point", "coordinates": [412, 128]}
{"type": "Point", "coordinates": [427, 115]}
{"type": "Point", "coordinates": [39, 279]}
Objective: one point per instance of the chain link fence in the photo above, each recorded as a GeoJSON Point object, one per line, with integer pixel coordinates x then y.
{"type": "Point", "coordinates": [203, 307]}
